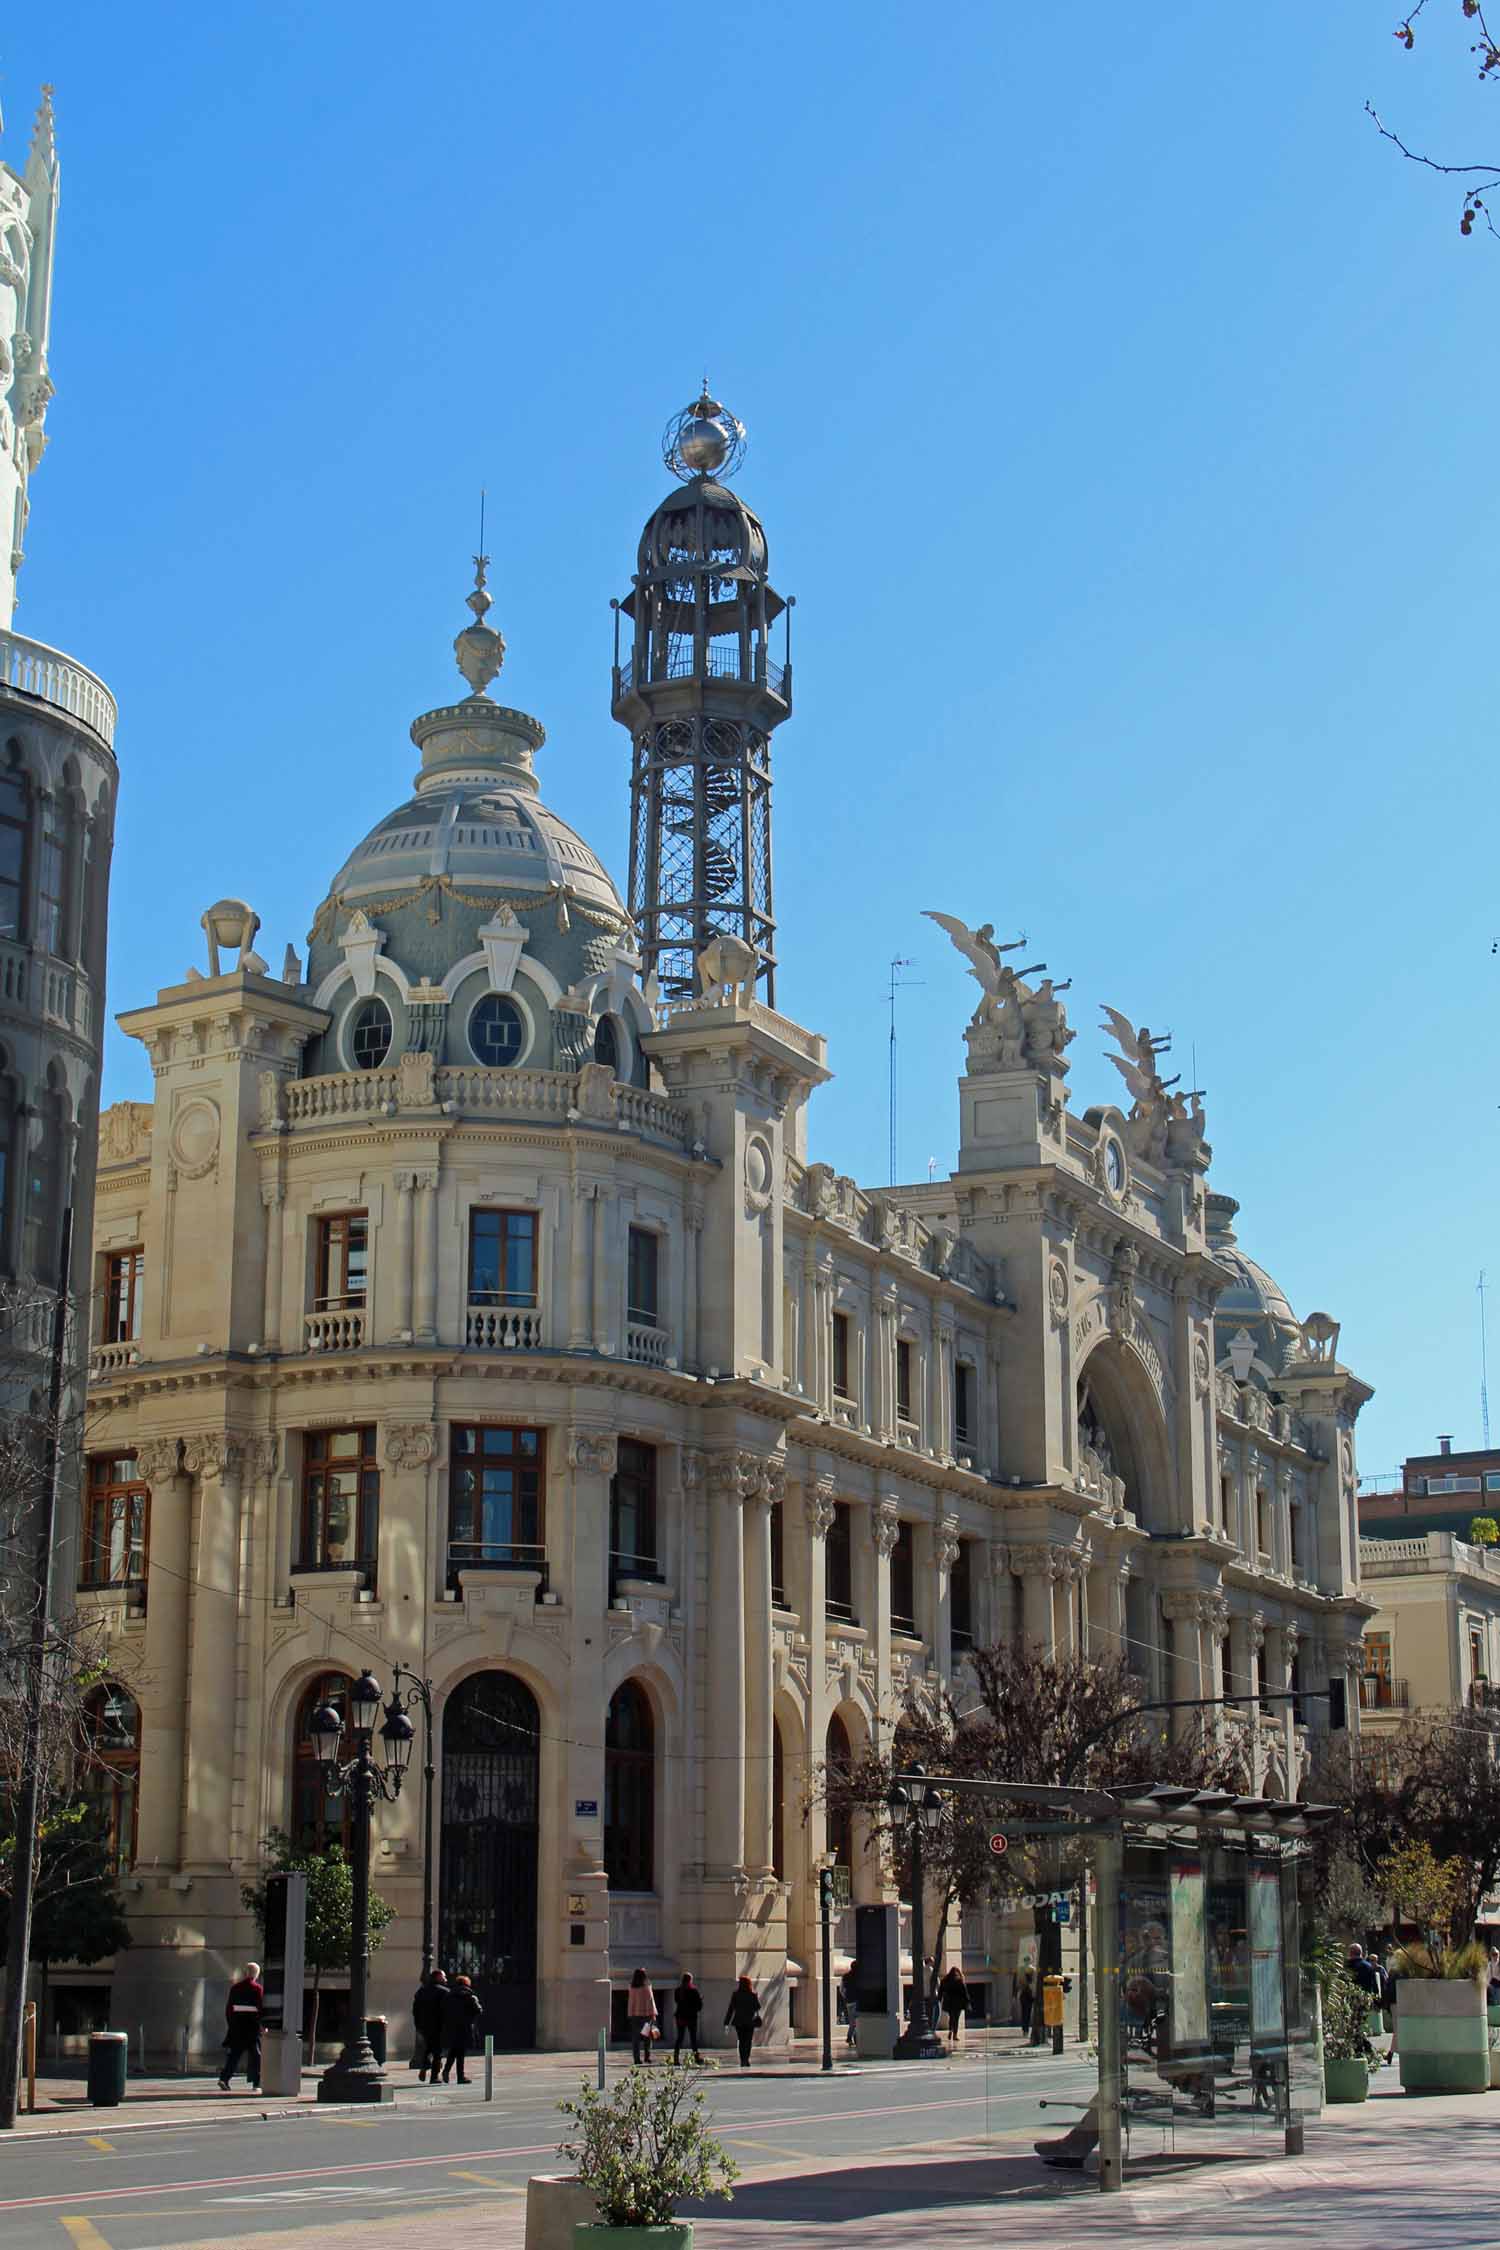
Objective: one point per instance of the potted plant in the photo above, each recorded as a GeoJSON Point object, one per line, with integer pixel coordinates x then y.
{"type": "Point", "coordinates": [639, 2152]}
{"type": "Point", "coordinates": [1442, 2035]}
{"type": "Point", "coordinates": [1347, 2053]}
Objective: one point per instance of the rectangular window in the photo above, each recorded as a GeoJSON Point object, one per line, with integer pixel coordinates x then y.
{"type": "Point", "coordinates": [343, 1261]}
{"type": "Point", "coordinates": [51, 881]}
{"type": "Point", "coordinates": [496, 1483]}
{"type": "Point", "coordinates": [903, 1582]}
{"type": "Point", "coordinates": [841, 1356]}
{"type": "Point", "coordinates": [778, 1558]}
{"type": "Point", "coordinates": [642, 1302]}
{"type": "Point", "coordinates": [502, 1258]}
{"type": "Point", "coordinates": [839, 1587]}
{"type": "Point", "coordinates": [903, 1380]}
{"type": "Point", "coordinates": [963, 1403]}
{"type": "Point", "coordinates": [961, 1598]}
{"type": "Point", "coordinates": [124, 1272]}
{"type": "Point", "coordinates": [1224, 1497]}
{"type": "Point", "coordinates": [12, 852]}
{"type": "Point", "coordinates": [1491, 1481]}
{"type": "Point", "coordinates": [340, 1502]}
{"type": "Point", "coordinates": [116, 1524]}
{"type": "Point", "coordinates": [1476, 1652]}
{"type": "Point", "coordinates": [1262, 1520]}
{"type": "Point", "coordinates": [632, 1512]}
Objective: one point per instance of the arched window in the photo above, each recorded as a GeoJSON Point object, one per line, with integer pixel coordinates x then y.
{"type": "Point", "coordinates": [52, 875]}
{"type": "Point", "coordinates": [607, 1044]}
{"type": "Point", "coordinates": [111, 1768]}
{"type": "Point", "coordinates": [14, 812]}
{"type": "Point", "coordinates": [370, 1035]}
{"type": "Point", "coordinates": [778, 1804]}
{"type": "Point", "coordinates": [630, 1791]}
{"type": "Point", "coordinates": [839, 1759]}
{"type": "Point", "coordinates": [317, 1818]}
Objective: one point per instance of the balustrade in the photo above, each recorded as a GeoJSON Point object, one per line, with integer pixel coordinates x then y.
{"type": "Point", "coordinates": [338, 1329]}
{"type": "Point", "coordinates": [646, 1344]}
{"type": "Point", "coordinates": [503, 1328]}
{"type": "Point", "coordinates": [35, 669]}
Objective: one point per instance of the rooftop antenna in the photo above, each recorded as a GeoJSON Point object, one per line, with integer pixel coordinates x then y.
{"type": "Point", "coordinates": [1484, 1366]}
{"type": "Point", "coordinates": [897, 983]}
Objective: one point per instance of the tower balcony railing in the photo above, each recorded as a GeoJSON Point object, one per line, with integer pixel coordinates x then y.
{"type": "Point", "coordinates": [34, 669]}
{"type": "Point", "coordinates": [503, 1328]}
{"type": "Point", "coordinates": [337, 1326]}
{"type": "Point", "coordinates": [721, 660]}
{"type": "Point", "coordinates": [470, 1090]}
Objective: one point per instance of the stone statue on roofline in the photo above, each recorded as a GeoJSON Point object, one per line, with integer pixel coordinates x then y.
{"type": "Point", "coordinates": [1016, 1026]}
{"type": "Point", "coordinates": [1165, 1125]}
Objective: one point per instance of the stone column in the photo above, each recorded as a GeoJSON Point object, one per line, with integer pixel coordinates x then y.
{"type": "Point", "coordinates": [215, 1460]}
{"type": "Point", "coordinates": [273, 1199]}
{"type": "Point", "coordinates": [426, 1185]}
{"type": "Point", "coordinates": [580, 1200]}
{"type": "Point", "coordinates": [935, 1435]}
{"type": "Point", "coordinates": [692, 1243]}
{"type": "Point", "coordinates": [818, 1496]}
{"type": "Point", "coordinates": [1182, 1608]}
{"type": "Point", "coordinates": [602, 1322]}
{"type": "Point", "coordinates": [766, 1493]}
{"type": "Point", "coordinates": [1035, 1566]}
{"type": "Point", "coordinates": [1216, 1634]}
{"type": "Point", "coordinates": [1000, 1621]}
{"type": "Point", "coordinates": [823, 1333]}
{"type": "Point", "coordinates": [944, 1555]}
{"type": "Point", "coordinates": [401, 1298]}
{"type": "Point", "coordinates": [885, 1529]}
{"type": "Point", "coordinates": [1119, 1598]}
{"type": "Point", "coordinates": [882, 1403]}
{"type": "Point", "coordinates": [730, 1478]}
{"type": "Point", "coordinates": [164, 1685]}
{"type": "Point", "coordinates": [945, 1443]}
{"type": "Point", "coordinates": [1288, 1637]}
{"type": "Point", "coordinates": [584, 1970]}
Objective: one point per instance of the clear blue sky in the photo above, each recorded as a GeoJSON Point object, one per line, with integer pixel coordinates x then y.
{"type": "Point", "coordinates": [1120, 416]}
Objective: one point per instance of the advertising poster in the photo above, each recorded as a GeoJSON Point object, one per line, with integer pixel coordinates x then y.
{"type": "Point", "coordinates": [1267, 1997]}
{"type": "Point", "coordinates": [1189, 1966]}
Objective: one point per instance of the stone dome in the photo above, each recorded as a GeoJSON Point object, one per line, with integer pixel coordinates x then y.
{"type": "Point", "coordinates": [1253, 1300]}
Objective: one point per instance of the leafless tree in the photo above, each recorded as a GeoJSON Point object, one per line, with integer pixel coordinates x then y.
{"type": "Point", "coordinates": [1477, 182]}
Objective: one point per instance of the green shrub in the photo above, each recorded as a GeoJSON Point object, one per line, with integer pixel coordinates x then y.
{"type": "Point", "coordinates": [1345, 2009]}
{"type": "Point", "coordinates": [645, 2148]}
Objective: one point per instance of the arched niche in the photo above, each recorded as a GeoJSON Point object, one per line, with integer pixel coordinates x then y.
{"type": "Point", "coordinates": [1122, 1434]}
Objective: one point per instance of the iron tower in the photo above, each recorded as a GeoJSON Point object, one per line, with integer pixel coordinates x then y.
{"type": "Point", "coordinates": [700, 693]}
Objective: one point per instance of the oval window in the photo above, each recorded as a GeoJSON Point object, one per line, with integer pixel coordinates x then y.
{"type": "Point", "coordinates": [497, 1031]}
{"type": "Point", "coordinates": [607, 1044]}
{"type": "Point", "coordinates": [370, 1035]}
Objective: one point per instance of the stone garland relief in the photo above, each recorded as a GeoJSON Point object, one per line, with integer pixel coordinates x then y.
{"type": "Point", "coordinates": [593, 1453]}
{"type": "Point", "coordinates": [410, 1445]}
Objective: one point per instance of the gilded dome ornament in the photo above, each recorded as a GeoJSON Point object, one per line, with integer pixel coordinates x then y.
{"type": "Point", "coordinates": [480, 650]}
{"type": "Point", "coordinates": [704, 440]}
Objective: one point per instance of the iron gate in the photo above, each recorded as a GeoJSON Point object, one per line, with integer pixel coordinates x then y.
{"type": "Point", "coordinates": [488, 1869]}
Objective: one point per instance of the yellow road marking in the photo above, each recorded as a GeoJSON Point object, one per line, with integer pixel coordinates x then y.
{"type": "Point", "coordinates": [768, 2148]}
{"type": "Point", "coordinates": [506, 2187]}
{"type": "Point", "coordinates": [85, 2234]}
{"type": "Point", "coordinates": [95, 2142]}
{"type": "Point", "coordinates": [369, 2123]}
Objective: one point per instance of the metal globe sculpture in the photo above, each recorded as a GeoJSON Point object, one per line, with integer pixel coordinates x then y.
{"type": "Point", "coordinates": [705, 439]}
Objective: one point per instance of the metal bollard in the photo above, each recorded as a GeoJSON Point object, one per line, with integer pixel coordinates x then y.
{"type": "Point", "coordinates": [601, 2061]}
{"type": "Point", "coordinates": [489, 2066]}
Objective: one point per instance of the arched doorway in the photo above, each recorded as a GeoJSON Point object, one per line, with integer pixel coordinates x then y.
{"type": "Point", "coordinates": [838, 1757]}
{"type": "Point", "coordinates": [630, 1791]}
{"type": "Point", "coordinates": [488, 1865]}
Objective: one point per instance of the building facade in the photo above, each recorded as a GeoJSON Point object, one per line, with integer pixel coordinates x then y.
{"type": "Point", "coordinates": [58, 784]}
{"type": "Point", "coordinates": [486, 1311]}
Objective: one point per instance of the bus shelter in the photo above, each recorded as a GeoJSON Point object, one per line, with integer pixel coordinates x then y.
{"type": "Point", "coordinates": [1205, 2020]}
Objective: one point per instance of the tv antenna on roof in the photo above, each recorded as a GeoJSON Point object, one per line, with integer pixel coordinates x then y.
{"type": "Point", "coordinates": [1484, 1369]}
{"type": "Point", "coordinates": [897, 983]}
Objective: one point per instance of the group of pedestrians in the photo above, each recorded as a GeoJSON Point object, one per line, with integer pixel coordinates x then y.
{"type": "Point", "coordinates": [446, 2018]}
{"type": "Point", "coordinates": [742, 2016]}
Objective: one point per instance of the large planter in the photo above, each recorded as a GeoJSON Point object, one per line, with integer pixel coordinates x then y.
{"type": "Point", "coordinates": [678, 2236]}
{"type": "Point", "coordinates": [1442, 2037]}
{"type": "Point", "coordinates": [555, 2204]}
{"type": "Point", "coordinates": [1346, 2081]}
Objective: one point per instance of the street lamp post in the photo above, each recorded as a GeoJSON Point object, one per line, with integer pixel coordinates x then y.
{"type": "Point", "coordinates": [357, 2076]}
{"type": "Point", "coordinates": [413, 1696]}
{"type": "Point", "coordinates": [919, 1815]}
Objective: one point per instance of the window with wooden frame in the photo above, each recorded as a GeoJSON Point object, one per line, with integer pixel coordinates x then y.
{"type": "Point", "coordinates": [841, 1385]}
{"type": "Point", "coordinates": [642, 1288]}
{"type": "Point", "coordinates": [343, 1261]}
{"type": "Point", "coordinates": [963, 1402]}
{"type": "Point", "coordinates": [632, 1512]}
{"type": "Point", "coordinates": [778, 1557]}
{"type": "Point", "coordinates": [340, 1502]}
{"type": "Point", "coordinates": [124, 1274]}
{"type": "Point", "coordinates": [116, 1527]}
{"type": "Point", "coordinates": [630, 1790]}
{"type": "Point", "coordinates": [502, 1258]}
{"type": "Point", "coordinates": [839, 1564]}
{"type": "Point", "coordinates": [496, 1505]}
{"type": "Point", "coordinates": [903, 1581]}
{"type": "Point", "coordinates": [110, 1769]}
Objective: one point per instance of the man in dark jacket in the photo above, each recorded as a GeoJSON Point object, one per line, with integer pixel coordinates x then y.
{"type": "Point", "coordinates": [687, 2004]}
{"type": "Point", "coordinates": [427, 2006]}
{"type": "Point", "coordinates": [243, 2011]}
{"type": "Point", "coordinates": [461, 2016]}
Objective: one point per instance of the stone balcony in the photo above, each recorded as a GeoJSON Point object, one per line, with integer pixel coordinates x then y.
{"type": "Point", "coordinates": [338, 1329]}
{"type": "Point", "coordinates": [416, 1083]}
{"type": "Point", "coordinates": [33, 669]}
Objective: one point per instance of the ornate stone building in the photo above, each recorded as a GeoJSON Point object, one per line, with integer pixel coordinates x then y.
{"type": "Point", "coordinates": [57, 803]}
{"type": "Point", "coordinates": [490, 1315]}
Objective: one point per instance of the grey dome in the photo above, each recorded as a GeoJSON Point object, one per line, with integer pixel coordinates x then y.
{"type": "Point", "coordinates": [481, 833]}
{"type": "Point", "coordinates": [1252, 1296]}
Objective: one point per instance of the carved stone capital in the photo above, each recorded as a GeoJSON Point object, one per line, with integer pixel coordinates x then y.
{"type": "Point", "coordinates": [886, 1522]}
{"type": "Point", "coordinates": [593, 1452]}
{"type": "Point", "coordinates": [410, 1445]}
{"type": "Point", "coordinates": [272, 1195]}
{"type": "Point", "coordinates": [213, 1455]}
{"type": "Point", "coordinates": [1036, 1562]}
{"type": "Point", "coordinates": [1257, 1629]}
{"type": "Point", "coordinates": [157, 1459]}
{"type": "Point", "coordinates": [819, 1500]}
{"type": "Point", "coordinates": [946, 1544]}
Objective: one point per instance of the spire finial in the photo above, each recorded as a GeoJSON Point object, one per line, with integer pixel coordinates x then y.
{"type": "Point", "coordinates": [705, 439]}
{"type": "Point", "coordinates": [479, 648]}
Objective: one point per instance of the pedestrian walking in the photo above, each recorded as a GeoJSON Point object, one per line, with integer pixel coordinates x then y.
{"type": "Point", "coordinates": [640, 2013]}
{"type": "Point", "coordinates": [687, 2007]}
{"type": "Point", "coordinates": [953, 1998]}
{"type": "Point", "coordinates": [1026, 2002]}
{"type": "Point", "coordinates": [1492, 1986]}
{"type": "Point", "coordinates": [243, 2013]}
{"type": "Point", "coordinates": [744, 2014]}
{"type": "Point", "coordinates": [849, 1995]}
{"type": "Point", "coordinates": [462, 2011]}
{"type": "Point", "coordinates": [428, 2003]}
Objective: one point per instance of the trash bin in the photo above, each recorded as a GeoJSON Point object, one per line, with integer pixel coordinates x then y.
{"type": "Point", "coordinates": [109, 2052]}
{"type": "Point", "coordinates": [375, 2033]}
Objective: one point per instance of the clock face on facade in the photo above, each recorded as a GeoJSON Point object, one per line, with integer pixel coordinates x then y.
{"type": "Point", "coordinates": [1114, 1167]}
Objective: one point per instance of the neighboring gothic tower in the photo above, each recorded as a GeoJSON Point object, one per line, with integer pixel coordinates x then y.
{"type": "Point", "coordinates": [28, 228]}
{"type": "Point", "coordinates": [701, 695]}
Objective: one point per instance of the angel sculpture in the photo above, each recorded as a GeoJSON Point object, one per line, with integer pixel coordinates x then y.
{"type": "Point", "coordinates": [1139, 1054]}
{"type": "Point", "coordinates": [979, 949]}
